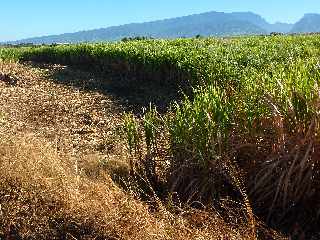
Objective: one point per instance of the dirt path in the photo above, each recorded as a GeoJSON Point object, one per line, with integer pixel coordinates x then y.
{"type": "Point", "coordinates": [44, 102]}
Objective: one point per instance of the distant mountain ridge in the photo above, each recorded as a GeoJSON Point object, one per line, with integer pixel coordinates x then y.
{"type": "Point", "coordinates": [204, 24]}
{"type": "Point", "coordinates": [309, 23]}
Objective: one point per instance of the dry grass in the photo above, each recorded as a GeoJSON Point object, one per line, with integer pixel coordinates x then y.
{"type": "Point", "coordinates": [281, 171]}
{"type": "Point", "coordinates": [53, 139]}
{"type": "Point", "coordinates": [286, 180]}
{"type": "Point", "coordinates": [43, 196]}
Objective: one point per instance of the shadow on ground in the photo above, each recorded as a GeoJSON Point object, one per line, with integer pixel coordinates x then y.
{"type": "Point", "coordinates": [132, 93]}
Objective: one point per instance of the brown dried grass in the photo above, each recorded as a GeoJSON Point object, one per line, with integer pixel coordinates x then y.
{"type": "Point", "coordinates": [43, 196]}
{"type": "Point", "coordinates": [282, 172]}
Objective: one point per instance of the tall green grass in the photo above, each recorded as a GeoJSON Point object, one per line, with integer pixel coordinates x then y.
{"type": "Point", "coordinates": [12, 54]}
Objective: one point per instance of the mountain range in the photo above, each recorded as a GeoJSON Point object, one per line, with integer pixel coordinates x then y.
{"type": "Point", "coordinates": [204, 24]}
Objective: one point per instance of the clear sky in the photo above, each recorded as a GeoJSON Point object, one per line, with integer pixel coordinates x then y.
{"type": "Point", "coordinates": [29, 18]}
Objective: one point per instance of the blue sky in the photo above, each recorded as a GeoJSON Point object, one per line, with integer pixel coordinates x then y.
{"type": "Point", "coordinates": [22, 19]}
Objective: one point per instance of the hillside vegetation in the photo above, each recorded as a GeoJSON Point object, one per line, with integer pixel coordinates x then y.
{"type": "Point", "coordinates": [205, 24]}
{"type": "Point", "coordinates": [243, 139]}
